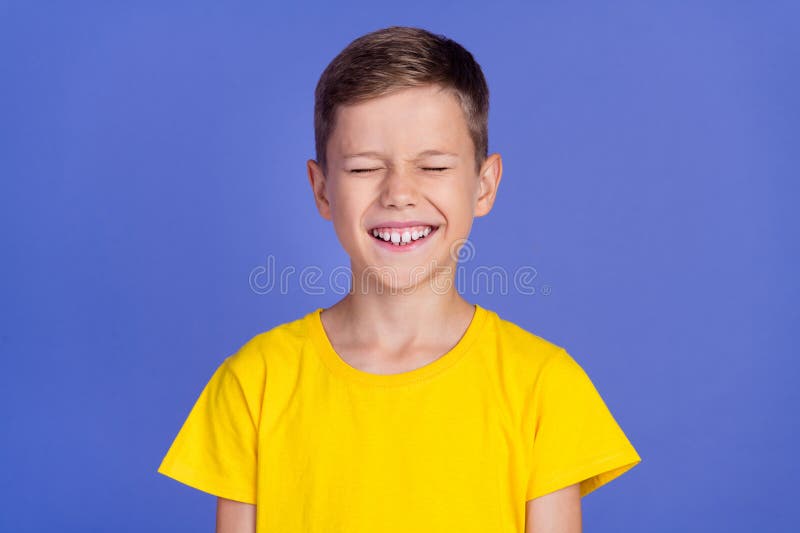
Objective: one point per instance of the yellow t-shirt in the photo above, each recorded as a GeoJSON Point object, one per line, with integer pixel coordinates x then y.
{"type": "Point", "coordinates": [459, 444]}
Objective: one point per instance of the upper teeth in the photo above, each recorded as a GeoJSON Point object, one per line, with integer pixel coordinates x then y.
{"type": "Point", "coordinates": [400, 236]}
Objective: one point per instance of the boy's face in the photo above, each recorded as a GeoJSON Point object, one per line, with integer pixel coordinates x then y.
{"type": "Point", "coordinates": [382, 172]}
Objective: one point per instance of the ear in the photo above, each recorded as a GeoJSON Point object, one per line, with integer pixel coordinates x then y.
{"type": "Point", "coordinates": [489, 181]}
{"type": "Point", "coordinates": [318, 185]}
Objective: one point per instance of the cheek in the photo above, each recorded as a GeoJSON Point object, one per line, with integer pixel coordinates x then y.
{"type": "Point", "coordinates": [348, 209]}
{"type": "Point", "coordinates": [458, 203]}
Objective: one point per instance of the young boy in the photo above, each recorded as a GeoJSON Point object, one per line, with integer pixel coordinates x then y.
{"type": "Point", "coordinates": [402, 407]}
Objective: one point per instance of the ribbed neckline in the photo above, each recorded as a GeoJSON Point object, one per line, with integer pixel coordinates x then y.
{"type": "Point", "coordinates": [338, 366]}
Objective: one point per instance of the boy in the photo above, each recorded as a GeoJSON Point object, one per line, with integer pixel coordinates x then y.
{"type": "Point", "coordinates": [402, 407]}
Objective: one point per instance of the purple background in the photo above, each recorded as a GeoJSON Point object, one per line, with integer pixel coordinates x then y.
{"type": "Point", "coordinates": [152, 155]}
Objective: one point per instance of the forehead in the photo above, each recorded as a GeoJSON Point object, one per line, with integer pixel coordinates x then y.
{"type": "Point", "coordinates": [414, 119]}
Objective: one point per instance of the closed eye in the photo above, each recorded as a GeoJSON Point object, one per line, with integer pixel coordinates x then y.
{"type": "Point", "coordinates": [362, 170]}
{"type": "Point", "coordinates": [366, 170]}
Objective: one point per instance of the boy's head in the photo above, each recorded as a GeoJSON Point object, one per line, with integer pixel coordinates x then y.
{"type": "Point", "coordinates": [402, 151]}
{"type": "Point", "coordinates": [395, 58]}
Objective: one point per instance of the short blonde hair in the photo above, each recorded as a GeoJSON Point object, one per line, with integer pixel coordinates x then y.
{"type": "Point", "coordinates": [395, 58]}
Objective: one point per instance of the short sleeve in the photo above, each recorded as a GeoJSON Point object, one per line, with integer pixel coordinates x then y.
{"type": "Point", "coordinates": [215, 450]}
{"type": "Point", "coordinates": [576, 438]}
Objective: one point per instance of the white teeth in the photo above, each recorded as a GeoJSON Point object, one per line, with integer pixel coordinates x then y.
{"type": "Point", "coordinates": [400, 239]}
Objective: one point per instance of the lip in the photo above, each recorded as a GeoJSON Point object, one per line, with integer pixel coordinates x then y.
{"type": "Point", "coordinates": [411, 246]}
{"type": "Point", "coordinates": [400, 224]}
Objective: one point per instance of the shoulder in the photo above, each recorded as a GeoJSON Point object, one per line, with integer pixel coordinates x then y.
{"type": "Point", "coordinates": [530, 352]}
{"type": "Point", "coordinates": [279, 344]}
{"type": "Point", "coordinates": [517, 356]}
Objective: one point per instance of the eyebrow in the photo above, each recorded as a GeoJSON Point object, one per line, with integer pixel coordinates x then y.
{"type": "Point", "coordinates": [379, 155]}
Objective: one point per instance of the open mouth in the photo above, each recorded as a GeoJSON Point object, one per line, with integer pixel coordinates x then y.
{"type": "Point", "coordinates": [402, 236]}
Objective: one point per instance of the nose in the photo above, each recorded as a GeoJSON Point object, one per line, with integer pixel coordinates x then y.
{"type": "Point", "coordinates": [399, 189]}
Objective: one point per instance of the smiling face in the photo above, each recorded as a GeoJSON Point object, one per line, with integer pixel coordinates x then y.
{"type": "Point", "coordinates": [402, 188]}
